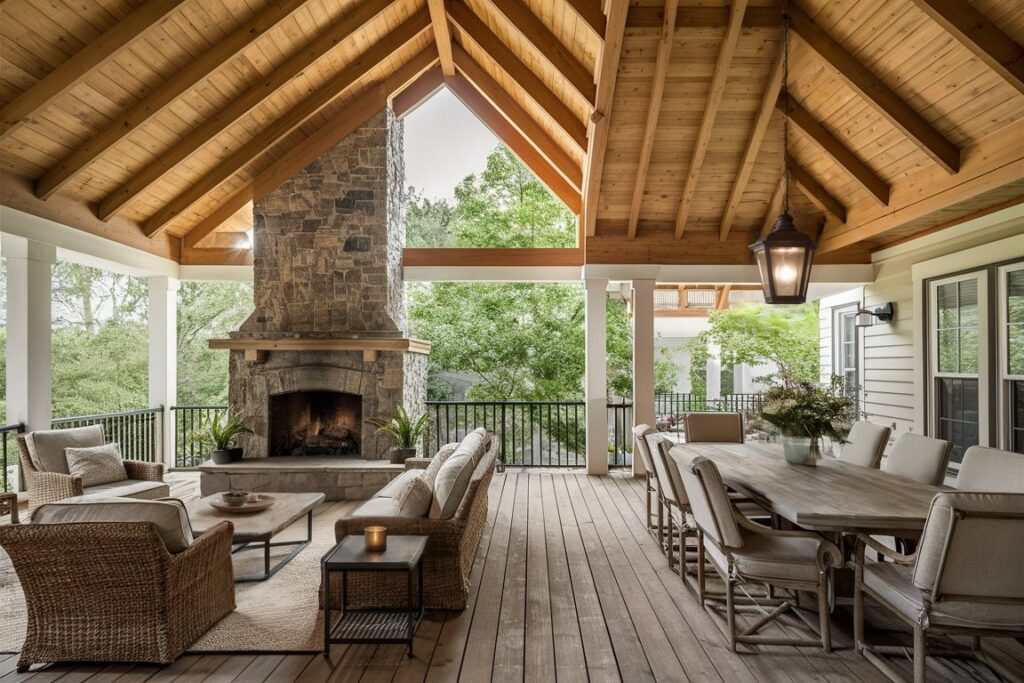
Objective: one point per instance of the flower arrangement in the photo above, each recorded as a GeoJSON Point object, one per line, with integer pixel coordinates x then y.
{"type": "Point", "coordinates": [805, 412]}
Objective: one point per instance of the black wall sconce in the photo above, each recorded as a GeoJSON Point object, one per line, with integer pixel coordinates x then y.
{"type": "Point", "coordinates": [866, 317]}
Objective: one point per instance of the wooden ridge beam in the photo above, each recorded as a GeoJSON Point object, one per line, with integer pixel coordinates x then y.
{"type": "Point", "coordinates": [93, 55]}
{"type": "Point", "coordinates": [661, 63]}
{"type": "Point", "coordinates": [518, 117]}
{"type": "Point", "coordinates": [591, 14]}
{"type": "Point", "coordinates": [836, 150]}
{"type": "Point", "coordinates": [471, 25]}
{"type": "Point", "coordinates": [144, 178]}
{"type": "Point", "coordinates": [775, 203]}
{"type": "Point", "coordinates": [295, 117]}
{"type": "Point", "coordinates": [442, 35]}
{"type": "Point", "coordinates": [982, 37]}
{"type": "Point", "coordinates": [691, 16]}
{"type": "Point", "coordinates": [600, 121]}
{"type": "Point", "coordinates": [818, 195]}
{"type": "Point", "coordinates": [168, 91]}
{"type": "Point", "coordinates": [900, 114]}
{"type": "Point", "coordinates": [725, 53]}
{"type": "Point", "coordinates": [991, 163]}
{"type": "Point", "coordinates": [507, 133]}
{"type": "Point", "coordinates": [224, 212]}
{"type": "Point", "coordinates": [417, 92]}
{"type": "Point", "coordinates": [533, 30]}
{"type": "Point", "coordinates": [764, 117]}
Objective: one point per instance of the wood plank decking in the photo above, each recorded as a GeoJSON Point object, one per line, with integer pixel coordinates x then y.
{"type": "Point", "coordinates": [567, 586]}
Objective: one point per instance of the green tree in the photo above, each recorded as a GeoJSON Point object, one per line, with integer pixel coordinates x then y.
{"type": "Point", "coordinates": [207, 310]}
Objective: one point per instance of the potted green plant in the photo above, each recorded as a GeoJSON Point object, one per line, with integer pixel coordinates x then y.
{"type": "Point", "coordinates": [220, 432]}
{"type": "Point", "coordinates": [403, 431]}
{"type": "Point", "coordinates": [804, 413]}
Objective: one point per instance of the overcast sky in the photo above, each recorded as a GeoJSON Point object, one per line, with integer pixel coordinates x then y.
{"type": "Point", "coordinates": [444, 142]}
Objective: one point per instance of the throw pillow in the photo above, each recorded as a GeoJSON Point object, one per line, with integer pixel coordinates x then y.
{"type": "Point", "coordinates": [435, 463]}
{"type": "Point", "coordinates": [451, 484]}
{"type": "Point", "coordinates": [96, 464]}
{"type": "Point", "coordinates": [415, 497]}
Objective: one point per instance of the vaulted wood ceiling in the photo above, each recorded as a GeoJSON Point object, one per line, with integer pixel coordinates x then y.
{"type": "Point", "coordinates": [156, 122]}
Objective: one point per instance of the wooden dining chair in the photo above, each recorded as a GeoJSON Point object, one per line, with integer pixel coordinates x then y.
{"type": "Point", "coordinates": [865, 444]}
{"type": "Point", "coordinates": [920, 458]}
{"type": "Point", "coordinates": [672, 520]}
{"type": "Point", "coordinates": [640, 434]}
{"type": "Point", "coordinates": [990, 469]}
{"type": "Point", "coordinates": [713, 427]}
{"type": "Point", "coordinates": [741, 551]}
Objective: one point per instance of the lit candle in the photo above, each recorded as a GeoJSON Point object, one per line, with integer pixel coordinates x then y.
{"type": "Point", "coordinates": [375, 538]}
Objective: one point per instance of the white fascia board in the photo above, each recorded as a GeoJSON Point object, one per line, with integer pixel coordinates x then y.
{"type": "Point", "coordinates": [976, 257]}
{"type": "Point", "coordinates": [216, 273]}
{"type": "Point", "coordinates": [964, 230]}
{"type": "Point", "coordinates": [492, 274]}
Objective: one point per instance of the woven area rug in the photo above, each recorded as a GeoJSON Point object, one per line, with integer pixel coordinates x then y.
{"type": "Point", "coordinates": [279, 615]}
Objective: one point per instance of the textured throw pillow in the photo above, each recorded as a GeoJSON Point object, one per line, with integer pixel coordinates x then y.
{"type": "Point", "coordinates": [96, 464]}
{"type": "Point", "coordinates": [415, 497]}
{"type": "Point", "coordinates": [451, 484]}
{"type": "Point", "coordinates": [430, 473]}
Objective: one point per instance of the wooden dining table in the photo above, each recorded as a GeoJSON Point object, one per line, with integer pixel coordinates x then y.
{"type": "Point", "coordinates": [833, 496]}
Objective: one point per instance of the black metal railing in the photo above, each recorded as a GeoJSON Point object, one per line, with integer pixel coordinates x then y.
{"type": "Point", "coordinates": [9, 454]}
{"type": "Point", "coordinates": [189, 420]}
{"type": "Point", "coordinates": [137, 432]}
{"type": "Point", "coordinates": [670, 408]}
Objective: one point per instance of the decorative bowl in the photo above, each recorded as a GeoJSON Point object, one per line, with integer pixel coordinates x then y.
{"type": "Point", "coordinates": [235, 498]}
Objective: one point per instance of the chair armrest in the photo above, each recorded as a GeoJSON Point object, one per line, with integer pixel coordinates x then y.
{"type": "Point", "coordinates": [865, 541]}
{"type": "Point", "coordinates": [49, 487]}
{"type": "Point", "coordinates": [828, 552]}
{"type": "Point", "coordinates": [203, 556]}
{"type": "Point", "coordinates": [417, 463]}
{"type": "Point", "coordinates": [146, 471]}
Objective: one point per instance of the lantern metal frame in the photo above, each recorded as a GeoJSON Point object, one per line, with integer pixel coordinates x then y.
{"type": "Point", "coordinates": [784, 235]}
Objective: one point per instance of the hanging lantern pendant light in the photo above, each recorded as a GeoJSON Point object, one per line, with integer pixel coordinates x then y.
{"type": "Point", "coordinates": [785, 254]}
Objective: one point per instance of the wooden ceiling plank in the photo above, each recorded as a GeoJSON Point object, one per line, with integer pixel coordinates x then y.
{"type": "Point", "coordinates": [470, 24]}
{"type": "Point", "coordinates": [714, 99]}
{"type": "Point", "coordinates": [757, 134]}
{"type": "Point", "coordinates": [93, 55]}
{"type": "Point", "coordinates": [224, 211]}
{"type": "Point", "coordinates": [533, 30]}
{"type": "Point", "coordinates": [818, 195]}
{"type": "Point", "coordinates": [600, 121]}
{"type": "Point", "coordinates": [518, 117]}
{"type": "Point", "coordinates": [661, 64]}
{"type": "Point", "coordinates": [442, 35]}
{"type": "Point", "coordinates": [591, 14]}
{"type": "Point", "coordinates": [836, 150]}
{"type": "Point", "coordinates": [418, 91]}
{"type": "Point", "coordinates": [295, 117]}
{"type": "Point", "coordinates": [691, 16]}
{"type": "Point", "coordinates": [867, 85]}
{"type": "Point", "coordinates": [144, 178]}
{"type": "Point", "coordinates": [982, 37]}
{"type": "Point", "coordinates": [775, 204]}
{"type": "Point", "coordinates": [507, 133]}
{"type": "Point", "coordinates": [167, 92]}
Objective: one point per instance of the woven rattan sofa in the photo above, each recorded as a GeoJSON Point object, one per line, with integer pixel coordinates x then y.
{"type": "Point", "coordinates": [450, 551]}
{"type": "Point", "coordinates": [48, 482]}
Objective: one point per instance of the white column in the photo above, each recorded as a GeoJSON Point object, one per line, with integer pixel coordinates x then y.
{"type": "Point", "coordinates": [643, 360]}
{"type": "Point", "coordinates": [163, 355]}
{"type": "Point", "coordinates": [714, 372]}
{"type": "Point", "coordinates": [29, 283]}
{"type": "Point", "coordinates": [596, 385]}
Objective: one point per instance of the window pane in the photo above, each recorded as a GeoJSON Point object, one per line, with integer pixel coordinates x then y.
{"type": "Point", "coordinates": [1015, 349]}
{"type": "Point", "coordinates": [969, 350]}
{"type": "Point", "coordinates": [1015, 322]}
{"type": "Point", "coordinates": [1015, 295]}
{"type": "Point", "coordinates": [1017, 416]}
{"type": "Point", "coordinates": [968, 303]}
{"type": "Point", "coordinates": [945, 296]}
{"type": "Point", "coordinates": [848, 328]}
{"type": "Point", "coordinates": [958, 414]}
{"type": "Point", "coordinates": [948, 341]}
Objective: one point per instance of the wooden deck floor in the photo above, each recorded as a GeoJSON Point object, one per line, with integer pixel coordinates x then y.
{"type": "Point", "coordinates": [567, 586]}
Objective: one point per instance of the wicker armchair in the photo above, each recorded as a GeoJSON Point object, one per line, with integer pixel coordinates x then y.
{"type": "Point", "coordinates": [111, 592]}
{"type": "Point", "coordinates": [449, 556]}
{"type": "Point", "coordinates": [49, 487]}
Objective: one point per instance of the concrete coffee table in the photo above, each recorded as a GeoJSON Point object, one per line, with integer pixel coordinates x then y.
{"type": "Point", "coordinates": [256, 529]}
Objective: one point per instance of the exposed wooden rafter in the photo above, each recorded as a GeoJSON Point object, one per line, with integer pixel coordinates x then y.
{"type": "Point", "coordinates": [75, 69]}
{"type": "Point", "coordinates": [764, 117]}
{"type": "Point", "coordinates": [472, 26]}
{"type": "Point", "coordinates": [590, 12]}
{"type": "Point", "coordinates": [814, 191]}
{"type": "Point", "coordinates": [722, 302]}
{"type": "Point", "coordinates": [661, 63]}
{"type": "Point", "coordinates": [880, 96]}
{"type": "Point", "coordinates": [693, 16]}
{"type": "Point", "coordinates": [296, 116]}
{"type": "Point", "coordinates": [775, 204]}
{"type": "Point", "coordinates": [127, 122]}
{"type": "Point", "coordinates": [417, 92]}
{"type": "Point", "coordinates": [224, 212]}
{"type": "Point", "coordinates": [442, 35]}
{"type": "Point", "coordinates": [700, 149]}
{"type": "Point", "coordinates": [144, 178]}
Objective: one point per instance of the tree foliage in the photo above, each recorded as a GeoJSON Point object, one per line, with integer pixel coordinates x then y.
{"type": "Point", "coordinates": [207, 310]}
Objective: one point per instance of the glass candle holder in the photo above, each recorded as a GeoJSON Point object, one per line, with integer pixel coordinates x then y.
{"type": "Point", "coordinates": [375, 538]}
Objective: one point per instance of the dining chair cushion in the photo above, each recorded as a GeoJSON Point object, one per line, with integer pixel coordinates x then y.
{"type": "Point", "coordinates": [991, 469]}
{"type": "Point", "coordinates": [96, 464]}
{"type": "Point", "coordinates": [772, 558]}
{"type": "Point", "coordinates": [46, 447]}
{"type": "Point", "coordinates": [640, 434]}
{"type": "Point", "coordinates": [713, 427]}
{"type": "Point", "coordinates": [169, 516]}
{"type": "Point", "coordinates": [660, 468]}
{"type": "Point", "coordinates": [663, 450]}
{"type": "Point", "coordinates": [709, 501]}
{"type": "Point", "coordinates": [865, 444]}
{"type": "Point", "coordinates": [920, 458]}
{"type": "Point", "coordinates": [893, 583]}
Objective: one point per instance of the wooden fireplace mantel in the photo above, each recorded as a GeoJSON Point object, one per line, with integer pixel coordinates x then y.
{"type": "Point", "coordinates": [256, 350]}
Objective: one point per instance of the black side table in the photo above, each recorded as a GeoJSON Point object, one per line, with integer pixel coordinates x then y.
{"type": "Point", "coordinates": [373, 625]}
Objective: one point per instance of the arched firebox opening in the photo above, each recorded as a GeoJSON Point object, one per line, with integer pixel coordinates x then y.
{"type": "Point", "coordinates": [315, 423]}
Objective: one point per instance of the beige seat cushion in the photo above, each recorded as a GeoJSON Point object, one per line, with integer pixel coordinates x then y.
{"type": "Point", "coordinates": [139, 489]}
{"type": "Point", "coordinates": [450, 485]}
{"type": "Point", "coordinates": [920, 458]}
{"type": "Point", "coordinates": [991, 469]}
{"type": "Point", "coordinates": [415, 498]}
{"type": "Point", "coordinates": [46, 447]}
{"type": "Point", "coordinates": [381, 507]}
{"type": "Point", "coordinates": [96, 464]}
{"type": "Point", "coordinates": [397, 484]}
{"type": "Point", "coordinates": [168, 516]}
{"type": "Point", "coordinates": [775, 557]}
{"type": "Point", "coordinates": [435, 463]}
{"type": "Point", "coordinates": [865, 444]}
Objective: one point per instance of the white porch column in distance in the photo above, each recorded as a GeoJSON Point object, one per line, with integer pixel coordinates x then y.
{"type": "Point", "coordinates": [163, 355]}
{"type": "Point", "coordinates": [596, 380]}
{"type": "Point", "coordinates": [643, 360]}
{"type": "Point", "coordinates": [713, 382]}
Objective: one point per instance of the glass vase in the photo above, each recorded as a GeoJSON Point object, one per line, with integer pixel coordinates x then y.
{"type": "Point", "coordinates": [801, 449]}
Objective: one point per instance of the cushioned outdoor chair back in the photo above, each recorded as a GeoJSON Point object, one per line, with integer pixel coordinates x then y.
{"type": "Point", "coordinates": [865, 444]}
{"type": "Point", "coordinates": [659, 446]}
{"type": "Point", "coordinates": [713, 427]}
{"type": "Point", "coordinates": [709, 501]}
{"type": "Point", "coordinates": [990, 469]}
{"type": "Point", "coordinates": [920, 458]}
{"type": "Point", "coordinates": [664, 480]}
{"type": "Point", "coordinates": [640, 434]}
{"type": "Point", "coordinates": [971, 548]}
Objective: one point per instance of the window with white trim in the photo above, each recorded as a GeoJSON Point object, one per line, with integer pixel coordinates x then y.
{"type": "Point", "coordinates": [846, 352]}
{"type": "Point", "coordinates": [1011, 362]}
